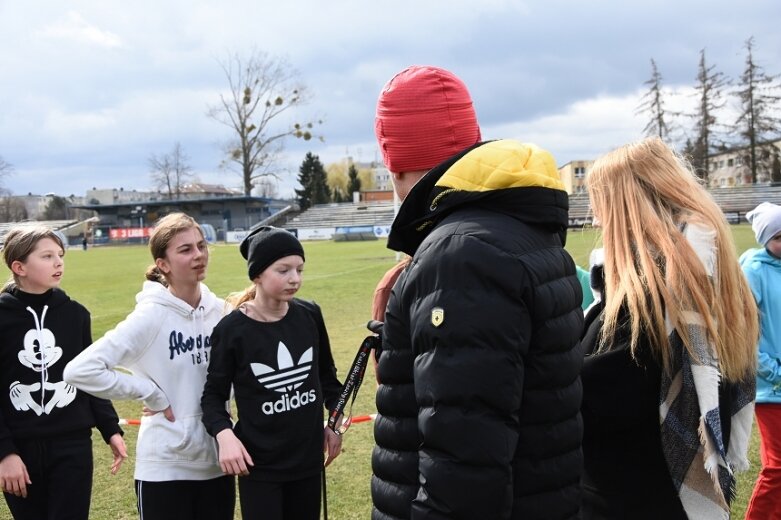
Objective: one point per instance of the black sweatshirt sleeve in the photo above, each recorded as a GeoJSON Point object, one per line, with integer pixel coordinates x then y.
{"type": "Point", "coordinates": [106, 418]}
{"type": "Point", "coordinates": [327, 368]}
{"type": "Point", "coordinates": [216, 391]}
{"type": "Point", "coordinates": [7, 445]}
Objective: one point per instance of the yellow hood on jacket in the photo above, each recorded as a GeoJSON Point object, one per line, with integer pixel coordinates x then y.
{"type": "Point", "coordinates": [503, 164]}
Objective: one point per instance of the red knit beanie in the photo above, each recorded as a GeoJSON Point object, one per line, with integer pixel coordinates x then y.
{"type": "Point", "coordinates": [424, 116]}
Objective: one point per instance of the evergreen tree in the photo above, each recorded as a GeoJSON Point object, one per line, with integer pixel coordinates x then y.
{"type": "Point", "coordinates": [759, 99]}
{"type": "Point", "coordinates": [710, 84]}
{"type": "Point", "coordinates": [56, 209]}
{"type": "Point", "coordinates": [319, 192]}
{"type": "Point", "coordinates": [652, 106]}
{"type": "Point", "coordinates": [303, 196]}
{"type": "Point", "coordinates": [314, 186]}
{"type": "Point", "coordinates": [353, 183]}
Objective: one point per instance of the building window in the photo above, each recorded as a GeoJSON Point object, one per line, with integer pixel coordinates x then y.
{"type": "Point", "coordinates": [739, 161]}
{"type": "Point", "coordinates": [730, 162]}
{"type": "Point", "coordinates": [580, 172]}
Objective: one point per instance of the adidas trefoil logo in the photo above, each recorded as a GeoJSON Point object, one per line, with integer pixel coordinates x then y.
{"type": "Point", "coordinates": [288, 377]}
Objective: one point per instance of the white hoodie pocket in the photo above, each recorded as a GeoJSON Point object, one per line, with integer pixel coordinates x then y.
{"type": "Point", "coordinates": [185, 439]}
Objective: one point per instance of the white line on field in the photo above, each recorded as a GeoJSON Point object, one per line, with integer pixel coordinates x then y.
{"type": "Point", "coordinates": [342, 273]}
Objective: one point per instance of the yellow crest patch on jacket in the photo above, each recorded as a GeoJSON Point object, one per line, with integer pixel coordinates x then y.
{"type": "Point", "coordinates": [503, 164]}
{"type": "Point", "coordinates": [437, 316]}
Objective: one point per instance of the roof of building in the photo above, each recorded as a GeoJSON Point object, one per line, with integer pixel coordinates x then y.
{"type": "Point", "coordinates": [177, 202]}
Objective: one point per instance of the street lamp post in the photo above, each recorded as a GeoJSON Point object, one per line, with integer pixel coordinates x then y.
{"type": "Point", "coordinates": [139, 210]}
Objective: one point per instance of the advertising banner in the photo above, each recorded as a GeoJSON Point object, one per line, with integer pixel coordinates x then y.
{"type": "Point", "coordinates": [125, 233]}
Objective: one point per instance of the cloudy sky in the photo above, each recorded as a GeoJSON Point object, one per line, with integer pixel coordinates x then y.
{"type": "Point", "coordinates": [88, 90]}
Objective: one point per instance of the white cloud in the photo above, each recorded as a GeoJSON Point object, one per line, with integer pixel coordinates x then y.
{"type": "Point", "coordinates": [75, 28]}
{"type": "Point", "coordinates": [582, 130]}
{"type": "Point", "coordinates": [73, 127]}
{"type": "Point", "coordinates": [94, 87]}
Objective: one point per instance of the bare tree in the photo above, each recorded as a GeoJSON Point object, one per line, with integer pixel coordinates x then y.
{"type": "Point", "coordinates": [6, 169]}
{"type": "Point", "coordinates": [759, 100]}
{"type": "Point", "coordinates": [709, 92]}
{"type": "Point", "coordinates": [261, 89]}
{"type": "Point", "coordinates": [171, 170]}
{"type": "Point", "coordinates": [12, 209]}
{"type": "Point", "coordinates": [267, 187]}
{"type": "Point", "coordinates": [652, 105]}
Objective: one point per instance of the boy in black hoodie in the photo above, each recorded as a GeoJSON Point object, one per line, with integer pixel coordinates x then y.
{"type": "Point", "coordinates": [45, 424]}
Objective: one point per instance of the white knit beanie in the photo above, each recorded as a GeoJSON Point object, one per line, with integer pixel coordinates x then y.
{"type": "Point", "coordinates": [765, 221]}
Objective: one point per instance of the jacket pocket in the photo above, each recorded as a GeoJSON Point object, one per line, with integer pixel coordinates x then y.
{"type": "Point", "coordinates": [185, 439]}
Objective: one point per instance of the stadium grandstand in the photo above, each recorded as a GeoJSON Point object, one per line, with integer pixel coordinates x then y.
{"type": "Point", "coordinates": [333, 221]}
{"type": "Point", "coordinates": [344, 221]}
{"type": "Point", "coordinates": [57, 225]}
{"type": "Point", "coordinates": [344, 214]}
{"type": "Point", "coordinates": [735, 202]}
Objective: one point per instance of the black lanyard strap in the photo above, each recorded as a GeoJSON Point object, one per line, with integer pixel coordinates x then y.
{"type": "Point", "coordinates": [354, 380]}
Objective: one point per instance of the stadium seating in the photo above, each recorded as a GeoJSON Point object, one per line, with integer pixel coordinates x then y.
{"type": "Point", "coordinates": [735, 202]}
{"type": "Point", "coordinates": [344, 214]}
{"type": "Point", "coordinates": [56, 225]}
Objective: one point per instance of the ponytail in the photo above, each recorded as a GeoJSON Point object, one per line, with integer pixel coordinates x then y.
{"type": "Point", "coordinates": [236, 299]}
{"type": "Point", "coordinates": [9, 285]}
{"type": "Point", "coordinates": [154, 274]}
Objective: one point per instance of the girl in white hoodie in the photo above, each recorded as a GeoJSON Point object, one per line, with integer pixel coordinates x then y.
{"type": "Point", "coordinates": [165, 343]}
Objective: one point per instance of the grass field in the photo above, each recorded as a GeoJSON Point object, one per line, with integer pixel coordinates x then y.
{"type": "Point", "coordinates": [341, 278]}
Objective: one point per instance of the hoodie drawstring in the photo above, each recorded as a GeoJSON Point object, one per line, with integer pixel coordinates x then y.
{"type": "Point", "coordinates": [197, 314]}
{"type": "Point", "coordinates": [44, 366]}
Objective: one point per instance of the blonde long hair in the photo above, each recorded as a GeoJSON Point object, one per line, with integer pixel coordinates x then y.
{"type": "Point", "coordinates": [643, 194]}
{"type": "Point", "coordinates": [234, 300]}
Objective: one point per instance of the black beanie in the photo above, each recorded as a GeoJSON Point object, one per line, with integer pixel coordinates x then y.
{"type": "Point", "coordinates": [267, 244]}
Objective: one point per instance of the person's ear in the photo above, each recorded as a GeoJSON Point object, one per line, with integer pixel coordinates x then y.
{"type": "Point", "coordinates": [162, 265]}
{"type": "Point", "coordinates": [18, 268]}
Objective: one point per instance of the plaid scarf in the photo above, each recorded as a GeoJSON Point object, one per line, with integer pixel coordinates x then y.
{"type": "Point", "coordinates": [701, 467]}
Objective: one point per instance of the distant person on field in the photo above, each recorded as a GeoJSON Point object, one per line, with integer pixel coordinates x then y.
{"type": "Point", "coordinates": [274, 352]}
{"type": "Point", "coordinates": [763, 271]}
{"type": "Point", "coordinates": [45, 423]}
{"type": "Point", "coordinates": [668, 379]}
{"type": "Point", "coordinates": [165, 344]}
{"type": "Point", "coordinates": [479, 392]}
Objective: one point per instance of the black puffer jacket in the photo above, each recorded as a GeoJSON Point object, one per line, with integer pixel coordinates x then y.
{"type": "Point", "coordinates": [480, 395]}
